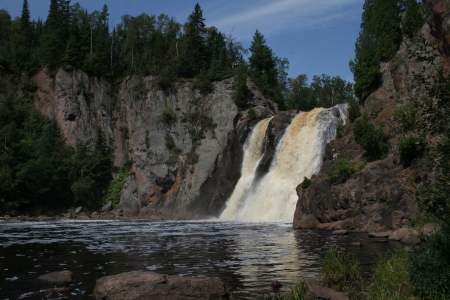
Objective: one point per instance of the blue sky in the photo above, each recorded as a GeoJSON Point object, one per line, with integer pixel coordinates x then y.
{"type": "Point", "coordinates": [316, 36]}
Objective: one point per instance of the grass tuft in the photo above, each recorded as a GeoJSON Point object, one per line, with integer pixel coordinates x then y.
{"type": "Point", "coordinates": [390, 279]}
{"type": "Point", "coordinates": [340, 270]}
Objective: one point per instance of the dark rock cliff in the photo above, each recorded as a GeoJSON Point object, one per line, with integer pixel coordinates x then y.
{"type": "Point", "coordinates": [381, 195]}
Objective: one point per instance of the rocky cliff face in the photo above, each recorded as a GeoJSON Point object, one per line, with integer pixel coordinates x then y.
{"type": "Point", "coordinates": [185, 148]}
{"type": "Point", "coordinates": [381, 196]}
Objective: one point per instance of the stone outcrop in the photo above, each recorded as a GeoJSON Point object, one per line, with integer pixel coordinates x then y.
{"type": "Point", "coordinates": [149, 285]}
{"type": "Point", "coordinates": [406, 236]}
{"type": "Point", "coordinates": [380, 197]}
{"type": "Point", "coordinates": [316, 291]}
{"type": "Point", "coordinates": [59, 277]}
{"type": "Point", "coordinates": [190, 178]}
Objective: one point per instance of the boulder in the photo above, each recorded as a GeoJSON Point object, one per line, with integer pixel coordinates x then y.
{"type": "Point", "coordinates": [340, 232]}
{"type": "Point", "coordinates": [107, 216]}
{"type": "Point", "coordinates": [384, 234]}
{"type": "Point", "coordinates": [428, 229]}
{"type": "Point", "coordinates": [306, 222]}
{"type": "Point", "coordinates": [78, 210]}
{"type": "Point", "coordinates": [320, 292]}
{"type": "Point", "coordinates": [405, 235]}
{"type": "Point", "coordinates": [59, 277]}
{"type": "Point", "coordinates": [325, 226]}
{"type": "Point", "coordinates": [149, 285]}
{"type": "Point", "coordinates": [107, 207]}
{"type": "Point", "coordinates": [95, 215]}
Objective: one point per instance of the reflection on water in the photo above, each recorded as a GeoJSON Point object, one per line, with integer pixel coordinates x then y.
{"type": "Point", "coordinates": [247, 256]}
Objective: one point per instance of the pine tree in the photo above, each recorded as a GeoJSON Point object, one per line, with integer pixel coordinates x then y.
{"type": "Point", "coordinates": [25, 17]}
{"type": "Point", "coordinates": [378, 40]}
{"type": "Point", "coordinates": [193, 60]}
{"type": "Point", "coordinates": [263, 66]}
{"type": "Point", "coordinates": [413, 17]}
{"type": "Point", "coordinates": [5, 46]}
{"type": "Point", "coordinates": [56, 33]}
{"type": "Point", "coordinates": [385, 22]}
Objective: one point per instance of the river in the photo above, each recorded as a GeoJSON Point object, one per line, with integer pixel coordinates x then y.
{"type": "Point", "coordinates": [246, 256]}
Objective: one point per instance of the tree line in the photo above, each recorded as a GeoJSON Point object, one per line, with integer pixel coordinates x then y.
{"type": "Point", "coordinates": [73, 38]}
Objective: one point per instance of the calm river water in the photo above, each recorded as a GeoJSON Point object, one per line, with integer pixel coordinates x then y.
{"type": "Point", "coordinates": [247, 256]}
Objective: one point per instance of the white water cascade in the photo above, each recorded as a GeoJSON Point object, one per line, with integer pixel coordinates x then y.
{"type": "Point", "coordinates": [298, 154]}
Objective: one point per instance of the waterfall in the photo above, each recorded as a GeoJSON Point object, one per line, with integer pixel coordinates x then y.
{"type": "Point", "coordinates": [298, 154]}
{"type": "Point", "coordinates": [253, 150]}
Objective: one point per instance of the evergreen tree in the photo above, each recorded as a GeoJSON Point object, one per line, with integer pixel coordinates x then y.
{"type": "Point", "coordinates": [240, 86]}
{"type": "Point", "coordinates": [99, 54]}
{"type": "Point", "coordinates": [193, 60]}
{"type": "Point", "coordinates": [55, 35]}
{"type": "Point", "coordinates": [5, 45]}
{"type": "Point", "coordinates": [385, 23]}
{"type": "Point", "coordinates": [25, 17]}
{"type": "Point", "coordinates": [413, 17]}
{"type": "Point", "coordinates": [365, 65]}
{"type": "Point", "coordinates": [263, 65]}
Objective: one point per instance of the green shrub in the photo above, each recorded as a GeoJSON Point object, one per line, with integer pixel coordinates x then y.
{"type": "Point", "coordinates": [173, 159]}
{"type": "Point", "coordinates": [251, 113]}
{"type": "Point", "coordinates": [374, 141]}
{"type": "Point", "coordinates": [166, 78]}
{"type": "Point", "coordinates": [177, 151]}
{"type": "Point", "coordinates": [433, 196]}
{"type": "Point", "coordinates": [339, 269]}
{"type": "Point", "coordinates": [200, 120]}
{"type": "Point", "coordinates": [192, 158]}
{"type": "Point", "coordinates": [353, 111]}
{"type": "Point", "coordinates": [115, 186]}
{"type": "Point", "coordinates": [138, 88]}
{"type": "Point", "coordinates": [342, 169]}
{"type": "Point", "coordinates": [390, 277]}
{"type": "Point", "coordinates": [405, 114]}
{"type": "Point", "coordinates": [166, 115]}
{"type": "Point", "coordinates": [429, 268]}
{"type": "Point", "coordinates": [410, 148]}
{"type": "Point", "coordinates": [147, 139]}
{"type": "Point", "coordinates": [170, 143]}
{"type": "Point", "coordinates": [203, 84]}
{"type": "Point", "coordinates": [306, 183]}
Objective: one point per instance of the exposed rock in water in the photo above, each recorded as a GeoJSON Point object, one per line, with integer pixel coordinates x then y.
{"type": "Point", "coordinates": [316, 291]}
{"type": "Point", "coordinates": [406, 236]}
{"type": "Point", "coordinates": [59, 277]}
{"type": "Point", "coordinates": [149, 285]}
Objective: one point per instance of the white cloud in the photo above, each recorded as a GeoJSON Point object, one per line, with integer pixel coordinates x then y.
{"type": "Point", "coordinates": [271, 17]}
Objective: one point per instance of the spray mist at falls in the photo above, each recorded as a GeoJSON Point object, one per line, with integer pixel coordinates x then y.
{"type": "Point", "coordinates": [299, 154]}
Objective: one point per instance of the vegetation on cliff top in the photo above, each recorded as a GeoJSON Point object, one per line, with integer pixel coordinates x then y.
{"type": "Point", "coordinates": [379, 39]}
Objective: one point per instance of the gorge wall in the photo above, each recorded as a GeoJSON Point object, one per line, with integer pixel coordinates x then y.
{"type": "Point", "coordinates": [380, 196]}
{"type": "Point", "coordinates": [185, 147]}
